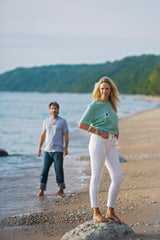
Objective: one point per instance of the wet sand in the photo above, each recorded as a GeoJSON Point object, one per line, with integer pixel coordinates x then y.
{"type": "Point", "coordinates": [138, 202]}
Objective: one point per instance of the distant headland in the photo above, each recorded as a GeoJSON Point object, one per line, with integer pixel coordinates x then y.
{"type": "Point", "coordinates": [132, 75]}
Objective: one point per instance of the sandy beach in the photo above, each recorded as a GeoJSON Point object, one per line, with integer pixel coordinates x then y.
{"type": "Point", "coordinates": [138, 202]}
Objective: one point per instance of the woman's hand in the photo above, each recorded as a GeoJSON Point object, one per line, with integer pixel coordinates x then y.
{"type": "Point", "coordinates": [105, 135]}
{"type": "Point", "coordinates": [117, 136]}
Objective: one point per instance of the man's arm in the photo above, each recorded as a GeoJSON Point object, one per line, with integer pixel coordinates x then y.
{"type": "Point", "coordinates": [66, 138]}
{"type": "Point", "coordinates": [41, 141]}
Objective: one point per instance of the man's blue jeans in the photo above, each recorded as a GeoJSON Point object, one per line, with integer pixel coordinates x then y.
{"type": "Point", "coordinates": [48, 159]}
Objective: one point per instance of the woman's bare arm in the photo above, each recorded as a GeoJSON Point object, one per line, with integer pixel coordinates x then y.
{"type": "Point", "coordinates": [90, 129]}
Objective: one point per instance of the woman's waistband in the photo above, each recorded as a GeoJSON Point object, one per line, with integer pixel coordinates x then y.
{"type": "Point", "coordinates": [111, 136]}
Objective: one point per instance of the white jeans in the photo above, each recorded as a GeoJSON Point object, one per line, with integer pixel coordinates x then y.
{"type": "Point", "coordinates": [104, 151]}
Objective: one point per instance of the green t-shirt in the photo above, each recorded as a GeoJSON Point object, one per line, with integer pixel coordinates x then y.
{"type": "Point", "coordinates": [101, 115]}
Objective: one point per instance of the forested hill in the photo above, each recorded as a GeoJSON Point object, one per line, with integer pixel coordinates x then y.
{"type": "Point", "coordinates": [136, 74]}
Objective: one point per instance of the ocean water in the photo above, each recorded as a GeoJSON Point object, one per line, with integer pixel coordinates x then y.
{"type": "Point", "coordinates": [21, 118]}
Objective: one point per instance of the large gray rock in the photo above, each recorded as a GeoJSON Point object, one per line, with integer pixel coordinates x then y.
{"type": "Point", "coordinates": [93, 230]}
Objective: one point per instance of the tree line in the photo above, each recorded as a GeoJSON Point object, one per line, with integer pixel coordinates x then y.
{"type": "Point", "coordinates": [132, 75]}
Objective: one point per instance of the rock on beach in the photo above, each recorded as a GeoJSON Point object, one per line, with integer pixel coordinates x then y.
{"type": "Point", "coordinates": [3, 153]}
{"type": "Point", "coordinates": [93, 230]}
{"type": "Point", "coordinates": [121, 159]}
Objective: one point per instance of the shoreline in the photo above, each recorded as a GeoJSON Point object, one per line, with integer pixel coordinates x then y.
{"type": "Point", "coordinates": [149, 98]}
{"type": "Point", "coordinates": [138, 198]}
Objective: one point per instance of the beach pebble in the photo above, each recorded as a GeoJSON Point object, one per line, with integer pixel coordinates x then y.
{"type": "Point", "coordinates": [157, 224]}
{"type": "Point", "coordinates": [153, 202]}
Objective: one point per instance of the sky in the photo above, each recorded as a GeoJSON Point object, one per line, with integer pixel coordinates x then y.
{"type": "Point", "coordinates": [49, 32]}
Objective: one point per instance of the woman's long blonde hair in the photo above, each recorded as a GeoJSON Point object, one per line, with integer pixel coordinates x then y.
{"type": "Point", "coordinates": [113, 97]}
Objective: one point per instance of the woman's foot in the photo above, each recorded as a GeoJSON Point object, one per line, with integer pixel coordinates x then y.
{"type": "Point", "coordinates": [59, 193]}
{"type": "Point", "coordinates": [114, 217]}
{"type": "Point", "coordinates": [100, 218]}
{"type": "Point", "coordinates": [110, 214]}
{"type": "Point", "coordinates": [40, 194]}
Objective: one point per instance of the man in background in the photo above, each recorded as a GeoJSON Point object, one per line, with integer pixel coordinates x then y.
{"type": "Point", "coordinates": [55, 135]}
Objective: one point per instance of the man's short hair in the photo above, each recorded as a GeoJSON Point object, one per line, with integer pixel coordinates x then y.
{"type": "Point", "coordinates": [53, 104]}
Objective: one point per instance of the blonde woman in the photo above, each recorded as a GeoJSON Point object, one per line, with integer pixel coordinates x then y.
{"type": "Point", "coordinates": [101, 120]}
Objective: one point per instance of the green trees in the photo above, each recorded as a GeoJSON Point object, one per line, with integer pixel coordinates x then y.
{"type": "Point", "coordinates": [136, 74]}
{"type": "Point", "coordinates": [153, 86]}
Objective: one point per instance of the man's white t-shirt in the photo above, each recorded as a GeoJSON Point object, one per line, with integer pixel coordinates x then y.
{"type": "Point", "coordinates": [54, 129]}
